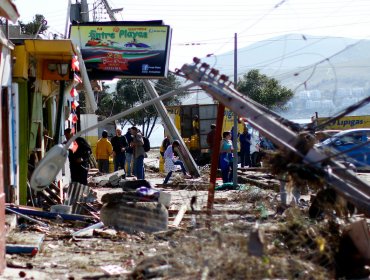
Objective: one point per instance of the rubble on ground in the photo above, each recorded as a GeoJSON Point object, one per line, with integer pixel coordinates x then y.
{"type": "Point", "coordinates": [245, 236]}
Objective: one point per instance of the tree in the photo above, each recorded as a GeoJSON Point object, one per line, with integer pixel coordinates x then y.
{"type": "Point", "coordinates": [103, 100]}
{"type": "Point", "coordinates": [131, 93]}
{"type": "Point", "coordinates": [266, 91]}
{"type": "Point", "coordinates": [35, 27]}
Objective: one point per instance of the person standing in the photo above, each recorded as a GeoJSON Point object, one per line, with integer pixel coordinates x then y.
{"type": "Point", "coordinates": [79, 158]}
{"type": "Point", "coordinates": [139, 153]}
{"type": "Point", "coordinates": [170, 162]}
{"type": "Point", "coordinates": [119, 144]}
{"type": "Point", "coordinates": [165, 143]}
{"type": "Point", "coordinates": [245, 148]}
{"type": "Point", "coordinates": [195, 125]}
{"type": "Point", "coordinates": [129, 153]}
{"type": "Point", "coordinates": [103, 151]}
{"type": "Point", "coordinates": [211, 138]}
{"type": "Point", "coordinates": [226, 157]}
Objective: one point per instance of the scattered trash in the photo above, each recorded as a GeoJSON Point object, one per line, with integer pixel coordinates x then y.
{"type": "Point", "coordinates": [256, 242]}
{"type": "Point", "coordinates": [360, 235]}
{"type": "Point", "coordinates": [114, 270]}
{"type": "Point", "coordinates": [227, 187]}
{"type": "Point", "coordinates": [23, 243]}
{"type": "Point", "coordinates": [92, 227]}
{"type": "Point", "coordinates": [59, 208]}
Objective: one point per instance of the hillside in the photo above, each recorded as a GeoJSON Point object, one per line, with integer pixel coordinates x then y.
{"type": "Point", "coordinates": [331, 65]}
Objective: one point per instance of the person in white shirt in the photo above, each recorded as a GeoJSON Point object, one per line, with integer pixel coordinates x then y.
{"type": "Point", "coordinates": [170, 162]}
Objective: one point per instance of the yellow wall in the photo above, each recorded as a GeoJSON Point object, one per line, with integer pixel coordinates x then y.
{"type": "Point", "coordinates": [20, 69]}
{"type": "Point", "coordinates": [228, 123]}
{"type": "Point", "coordinates": [191, 143]}
{"type": "Point", "coordinates": [92, 140]}
{"type": "Point", "coordinates": [174, 112]}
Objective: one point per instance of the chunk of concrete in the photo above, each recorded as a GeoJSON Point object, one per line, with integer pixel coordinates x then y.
{"type": "Point", "coordinates": [114, 180]}
{"type": "Point", "coordinates": [135, 216]}
{"type": "Point", "coordinates": [165, 199]}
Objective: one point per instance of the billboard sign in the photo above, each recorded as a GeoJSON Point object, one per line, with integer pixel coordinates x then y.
{"type": "Point", "coordinates": [347, 122]}
{"type": "Point", "coordinates": [123, 49]}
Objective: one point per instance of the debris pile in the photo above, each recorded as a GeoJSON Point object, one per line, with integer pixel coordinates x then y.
{"type": "Point", "coordinates": [127, 229]}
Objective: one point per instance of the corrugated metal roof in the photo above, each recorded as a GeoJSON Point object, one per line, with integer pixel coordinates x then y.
{"type": "Point", "coordinates": [50, 49]}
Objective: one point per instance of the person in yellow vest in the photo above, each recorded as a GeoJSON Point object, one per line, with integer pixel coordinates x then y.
{"type": "Point", "coordinates": [194, 142]}
{"type": "Point", "coordinates": [103, 151]}
{"type": "Point", "coordinates": [195, 125]}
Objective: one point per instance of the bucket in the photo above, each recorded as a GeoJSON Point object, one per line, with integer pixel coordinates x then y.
{"type": "Point", "coordinates": [165, 199]}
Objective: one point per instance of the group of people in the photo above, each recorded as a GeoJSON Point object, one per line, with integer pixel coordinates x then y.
{"type": "Point", "coordinates": [127, 151]}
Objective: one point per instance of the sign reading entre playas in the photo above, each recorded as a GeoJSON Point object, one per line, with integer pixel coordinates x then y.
{"type": "Point", "coordinates": [123, 49]}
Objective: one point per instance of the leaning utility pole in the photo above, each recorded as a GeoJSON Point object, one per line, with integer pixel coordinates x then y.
{"type": "Point", "coordinates": [111, 11]}
{"type": "Point", "coordinates": [184, 153]}
{"type": "Point", "coordinates": [334, 173]}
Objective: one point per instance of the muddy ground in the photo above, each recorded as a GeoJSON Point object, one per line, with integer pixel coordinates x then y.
{"type": "Point", "coordinates": [246, 237]}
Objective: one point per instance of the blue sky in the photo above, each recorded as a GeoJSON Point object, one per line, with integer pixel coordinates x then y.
{"type": "Point", "coordinates": [208, 27]}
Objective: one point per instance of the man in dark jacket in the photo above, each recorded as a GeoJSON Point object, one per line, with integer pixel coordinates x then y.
{"type": "Point", "coordinates": [119, 144]}
{"type": "Point", "coordinates": [78, 158]}
{"type": "Point", "coordinates": [245, 148]}
{"type": "Point", "coordinates": [139, 152]}
{"type": "Point", "coordinates": [129, 153]}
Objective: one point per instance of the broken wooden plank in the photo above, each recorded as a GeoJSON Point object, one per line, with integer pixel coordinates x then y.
{"type": "Point", "coordinates": [214, 211]}
{"type": "Point", "coordinates": [180, 215]}
{"type": "Point", "coordinates": [258, 169]}
{"type": "Point", "coordinates": [49, 215]}
{"type": "Point", "coordinates": [94, 226]}
{"type": "Point", "coordinates": [26, 217]}
{"type": "Point", "coordinates": [87, 207]}
{"type": "Point", "coordinates": [258, 183]}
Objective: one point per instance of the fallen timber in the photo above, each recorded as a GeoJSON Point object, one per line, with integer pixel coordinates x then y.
{"type": "Point", "coordinates": [49, 215]}
{"type": "Point", "coordinates": [275, 128]}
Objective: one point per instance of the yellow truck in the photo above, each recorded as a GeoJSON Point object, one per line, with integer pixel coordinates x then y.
{"type": "Point", "coordinates": [183, 115]}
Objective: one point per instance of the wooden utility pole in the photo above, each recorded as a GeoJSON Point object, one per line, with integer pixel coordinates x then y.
{"type": "Point", "coordinates": [236, 121]}
{"type": "Point", "coordinates": [214, 159]}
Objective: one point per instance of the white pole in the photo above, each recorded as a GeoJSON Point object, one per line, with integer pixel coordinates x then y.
{"type": "Point", "coordinates": [67, 20]}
